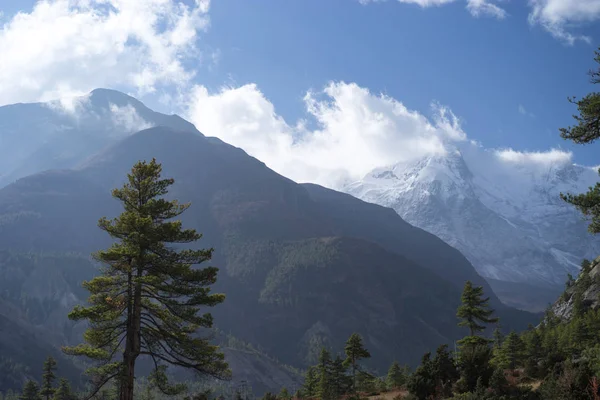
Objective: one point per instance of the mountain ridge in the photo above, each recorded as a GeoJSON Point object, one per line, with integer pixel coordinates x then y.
{"type": "Point", "coordinates": [503, 220]}
{"type": "Point", "coordinates": [280, 267]}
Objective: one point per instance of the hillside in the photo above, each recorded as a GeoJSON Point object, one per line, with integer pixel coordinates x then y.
{"type": "Point", "coordinates": [296, 273]}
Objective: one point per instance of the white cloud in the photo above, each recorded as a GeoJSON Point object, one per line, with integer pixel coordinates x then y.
{"type": "Point", "coordinates": [126, 117]}
{"type": "Point", "coordinates": [477, 8]}
{"type": "Point", "coordinates": [541, 158]}
{"type": "Point", "coordinates": [69, 105]}
{"type": "Point", "coordinates": [558, 16]}
{"type": "Point", "coordinates": [485, 7]}
{"type": "Point", "coordinates": [64, 48]}
{"type": "Point", "coordinates": [356, 130]}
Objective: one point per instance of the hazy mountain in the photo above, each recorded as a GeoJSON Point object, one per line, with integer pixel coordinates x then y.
{"type": "Point", "coordinates": [506, 217]}
{"type": "Point", "coordinates": [60, 134]}
{"type": "Point", "coordinates": [301, 265]}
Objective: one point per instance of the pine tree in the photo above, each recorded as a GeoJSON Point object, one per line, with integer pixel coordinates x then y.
{"type": "Point", "coordinates": [340, 381]}
{"type": "Point", "coordinates": [148, 297]}
{"type": "Point", "coordinates": [396, 376]}
{"type": "Point", "coordinates": [311, 382]}
{"type": "Point", "coordinates": [473, 313]}
{"type": "Point", "coordinates": [31, 391]}
{"type": "Point", "coordinates": [355, 351]}
{"type": "Point", "coordinates": [498, 382]}
{"type": "Point", "coordinates": [422, 382]}
{"type": "Point", "coordinates": [587, 131]}
{"type": "Point", "coordinates": [512, 353]}
{"type": "Point", "coordinates": [63, 392]}
{"type": "Point", "coordinates": [284, 394]}
{"type": "Point", "coordinates": [534, 353]}
{"type": "Point", "coordinates": [325, 389]}
{"type": "Point", "coordinates": [473, 365]}
{"type": "Point", "coordinates": [498, 337]}
{"type": "Point", "coordinates": [444, 371]}
{"type": "Point", "coordinates": [48, 378]}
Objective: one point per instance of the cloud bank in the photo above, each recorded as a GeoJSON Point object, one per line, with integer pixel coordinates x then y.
{"type": "Point", "coordinates": [69, 47]}
{"type": "Point", "coordinates": [356, 131]}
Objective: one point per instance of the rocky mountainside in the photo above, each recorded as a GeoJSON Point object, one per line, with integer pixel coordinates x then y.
{"type": "Point", "coordinates": [505, 216]}
{"type": "Point", "coordinates": [583, 292]}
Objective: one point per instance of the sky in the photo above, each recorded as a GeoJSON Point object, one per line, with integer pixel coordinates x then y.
{"type": "Point", "coordinates": [322, 90]}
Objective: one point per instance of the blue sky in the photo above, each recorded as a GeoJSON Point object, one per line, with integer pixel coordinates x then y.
{"type": "Point", "coordinates": [482, 68]}
{"type": "Point", "coordinates": [506, 79]}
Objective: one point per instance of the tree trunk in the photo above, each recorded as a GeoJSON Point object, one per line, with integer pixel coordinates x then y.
{"type": "Point", "coordinates": [132, 342]}
{"type": "Point", "coordinates": [127, 384]}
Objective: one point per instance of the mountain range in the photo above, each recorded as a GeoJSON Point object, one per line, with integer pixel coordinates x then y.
{"type": "Point", "coordinates": [302, 266]}
{"type": "Point", "coordinates": [503, 212]}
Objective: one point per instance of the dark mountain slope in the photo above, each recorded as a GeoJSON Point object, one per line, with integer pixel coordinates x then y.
{"type": "Point", "coordinates": [297, 273]}
{"type": "Point", "coordinates": [23, 349]}
{"type": "Point", "coordinates": [354, 217]}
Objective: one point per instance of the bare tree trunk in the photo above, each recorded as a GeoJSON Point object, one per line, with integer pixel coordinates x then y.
{"type": "Point", "coordinates": [132, 342]}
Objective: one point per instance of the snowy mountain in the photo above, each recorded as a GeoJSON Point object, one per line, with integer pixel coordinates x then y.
{"type": "Point", "coordinates": [60, 134]}
{"type": "Point", "coordinates": [502, 211]}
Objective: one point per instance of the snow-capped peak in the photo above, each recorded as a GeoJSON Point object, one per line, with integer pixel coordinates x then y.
{"type": "Point", "coordinates": [502, 212]}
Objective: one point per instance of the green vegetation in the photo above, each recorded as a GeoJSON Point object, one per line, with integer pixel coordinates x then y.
{"type": "Point", "coordinates": [148, 298]}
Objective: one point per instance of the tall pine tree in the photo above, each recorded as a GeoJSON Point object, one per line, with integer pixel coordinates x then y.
{"type": "Point", "coordinates": [48, 378]}
{"type": "Point", "coordinates": [339, 379]}
{"type": "Point", "coordinates": [63, 392]}
{"type": "Point", "coordinates": [148, 300]}
{"type": "Point", "coordinates": [355, 351]}
{"type": "Point", "coordinates": [475, 353]}
{"type": "Point", "coordinates": [31, 391]}
{"type": "Point", "coordinates": [325, 389]}
{"type": "Point", "coordinates": [473, 313]}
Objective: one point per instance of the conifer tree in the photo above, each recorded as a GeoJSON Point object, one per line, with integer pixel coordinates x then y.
{"type": "Point", "coordinates": [148, 299]}
{"type": "Point", "coordinates": [444, 371]}
{"type": "Point", "coordinates": [63, 392]}
{"type": "Point", "coordinates": [586, 130]}
{"type": "Point", "coordinates": [473, 313]}
{"type": "Point", "coordinates": [475, 353]}
{"type": "Point", "coordinates": [534, 353]}
{"type": "Point", "coordinates": [311, 382]}
{"type": "Point", "coordinates": [396, 376]}
{"type": "Point", "coordinates": [48, 378]}
{"type": "Point", "coordinates": [498, 382]}
{"type": "Point", "coordinates": [340, 381]}
{"type": "Point", "coordinates": [325, 388]}
{"type": "Point", "coordinates": [284, 394]}
{"type": "Point", "coordinates": [355, 351]}
{"type": "Point", "coordinates": [31, 391]}
{"type": "Point", "coordinates": [512, 352]}
{"type": "Point", "coordinates": [498, 337]}
{"type": "Point", "coordinates": [422, 382]}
